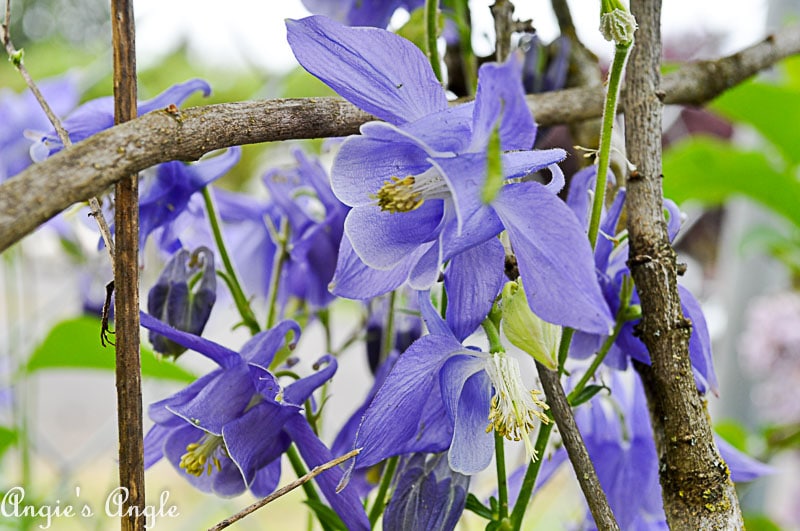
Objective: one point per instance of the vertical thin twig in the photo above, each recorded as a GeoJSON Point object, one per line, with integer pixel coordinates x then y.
{"type": "Point", "coordinates": [503, 11]}
{"type": "Point", "coordinates": [14, 55]}
{"type": "Point", "coordinates": [126, 281]}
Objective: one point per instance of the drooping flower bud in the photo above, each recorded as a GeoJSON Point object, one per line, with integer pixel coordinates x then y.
{"type": "Point", "coordinates": [527, 331]}
{"type": "Point", "coordinates": [429, 495]}
{"type": "Point", "coordinates": [183, 296]}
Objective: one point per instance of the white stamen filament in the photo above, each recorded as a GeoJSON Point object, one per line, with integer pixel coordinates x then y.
{"type": "Point", "coordinates": [514, 408]}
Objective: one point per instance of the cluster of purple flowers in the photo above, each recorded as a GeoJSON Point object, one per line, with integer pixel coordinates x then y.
{"type": "Point", "coordinates": [441, 202]}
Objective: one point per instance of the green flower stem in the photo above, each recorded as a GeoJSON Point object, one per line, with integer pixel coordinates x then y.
{"type": "Point", "coordinates": [388, 331]}
{"type": "Point", "coordinates": [609, 112]}
{"type": "Point", "coordinates": [598, 359]}
{"type": "Point", "coordinates": [21, 385]}
{"type": "Point", "coordinates": [529, 481]}
{"type": "Point", "coordinates": [493, 335]}
{"type": "Point", "coordinates": [300, 471]}
{"type": "Point", "coordinates": [383, 489]}
{"type": "Point", "coordinates": [563, 348]}
{"type": "Point", "coordinates": [621, 53]}
{"type": "Point", "coordinates": [282, 242]}
{"type": "Point", "coordinates": [502, 483]}
{"type": "Point", "coordinates": [242, 304]}
{"type": "Point", "coordinates": [432, 36]}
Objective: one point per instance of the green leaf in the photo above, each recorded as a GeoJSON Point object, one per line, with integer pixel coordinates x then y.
{"type": "Point", "coordinates": [8, 438]}
{"type": "Point", "coordinates": [733, 432]}
{"type": "Point", "coordinates": [474, 505]}
{"type": "Point", "coordinates": [773, 110]}
{"type": "Point", "coordinates": [759, 522]}
{"type": "Point", "coordinates": [75, 344]}
{"type": "Point", "coordinates": [711, 171]}
{"type": "Point", "coordinates": [586, 394]}
{"type": "Point", "coordinates": [792, 67]}
{"type": "Point", "coordinates": [494, 167]}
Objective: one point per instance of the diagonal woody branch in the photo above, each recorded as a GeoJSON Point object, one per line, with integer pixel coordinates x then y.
{"type": "Point", "coordinates": [45, 189]}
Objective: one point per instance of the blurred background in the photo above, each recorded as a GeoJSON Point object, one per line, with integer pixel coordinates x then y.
{"type": "Point", "coordinates": [733, 168]}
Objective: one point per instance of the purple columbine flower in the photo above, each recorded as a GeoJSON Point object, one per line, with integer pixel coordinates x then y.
{"type": "Point", "coordinates": [416, 182]}
{"type": "Point", "coordinates": [302, 195]}
{"type": "Point", "coordinates": [611, 267]}
{"type": "Point", "coordinates": [375, 13]}
{"type": "Point", "coordinates": [226, 432]}
{"type": "Point", "coordinates": [21, 112]}
{"type": "Point", "coordinates": [619, 439]}
{"type": "Point", "coordinates": [440, 396]}
{"type": "Point", "coordinates": [98, 114]}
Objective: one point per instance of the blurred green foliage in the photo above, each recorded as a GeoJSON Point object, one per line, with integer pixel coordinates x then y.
{"type": "Point", "coordinates": [711, 171]}
{"type": "Point", "coordinates": [75, 344]}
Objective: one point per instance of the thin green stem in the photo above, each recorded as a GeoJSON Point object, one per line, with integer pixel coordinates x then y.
{"type": "Point", "coordinates": [598, 359]}
{"type": "Point", "coordinates": [277, 268]}
{"type": "Point", "coordinates": [383, 489]}
{"type": "Point", "coordinates": [300, 471]}
{"type": "Point", "coordinates": [563, 348]}
{"type": "Point", "coordinates": [529, 481]}
{"type": "Point", "coordinates": [22, 393]}
{"type": "Point", "coordinates": [242, 304]}
{"type": "Point", "coordinates": [493, 335]}
{"type": "Point", "coordinates": [432, 36]}
{"type": "Point", "coordinates": [502, 482]}
{"type": "Point", "coordinates": [604, 157]}
{"type": "Point", "coordinates": [388, 330]}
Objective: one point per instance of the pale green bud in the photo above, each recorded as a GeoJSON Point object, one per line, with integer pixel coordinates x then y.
{"type": "Point", "coordinates": [527, 331]}
{"type": "Point", "coordinates": [616, 22]}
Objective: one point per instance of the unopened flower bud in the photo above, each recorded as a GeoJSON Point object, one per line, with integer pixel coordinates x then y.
{"type": "Point", "coordinates": [428, 495]}
{"type": "Point", "coordinates": [527, 331]}
{"type": "Point", "coordinates": [183, 297]}
{"type": "Point", "coordinates": [616, 22]}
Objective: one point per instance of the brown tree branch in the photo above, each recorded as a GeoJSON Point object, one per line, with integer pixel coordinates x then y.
{"type": "Point", "coordinates": [126, 282]}
{"type": "Point", "coordinates": [45, 189]}
{"type": "Point", "coordinates": [696, 487]}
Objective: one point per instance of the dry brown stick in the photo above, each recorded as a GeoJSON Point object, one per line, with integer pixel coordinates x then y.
{"type": "Point", "coordinates": [14, 55]}
{"type": "Point", "coordinates": [576, 449]}
{"type": "Point", "coordinates": [126, 281]}
{"type": "Point", "coordinates": [696, 488]}
{"type": "Point", "coordinates": [45, 189]}
{"type": "Point", "coordinates": [316, 471]}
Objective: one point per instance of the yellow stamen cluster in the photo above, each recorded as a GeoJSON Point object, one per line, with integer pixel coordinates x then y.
{"type": "Point", "coordinates": [513, 408]}
{"type": "Point", "coordinates": [199, 456]}
{"type": "Point", "coordinates": [398, 195]}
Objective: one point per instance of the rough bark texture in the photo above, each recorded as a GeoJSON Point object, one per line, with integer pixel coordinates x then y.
{"type": "Point", "coordinates": [126, 282]}
{"type": "Point", "coordinates": [697, 490]}
{"type": "Point", "coordinates": [88, 168]}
